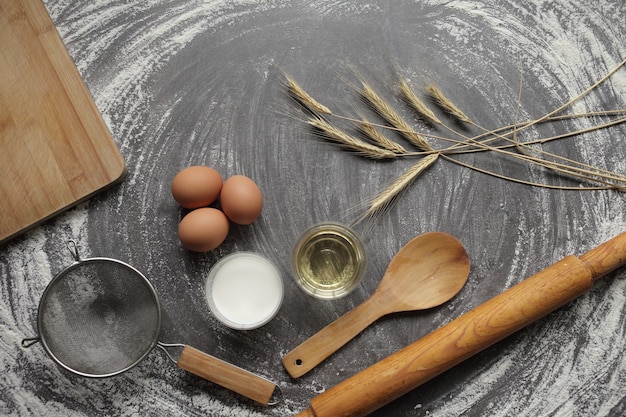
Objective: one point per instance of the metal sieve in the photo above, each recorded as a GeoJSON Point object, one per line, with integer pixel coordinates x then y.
{"type": "Point", "coordinates": [100, 317]}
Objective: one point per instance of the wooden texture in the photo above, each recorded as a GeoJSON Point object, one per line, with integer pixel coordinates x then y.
{"type": "Point", "coordinates": [55, 149]}
{"type": "Point", "coordinates": [226, 375]}
{"type": "Point", "coordinates": [469, 334]}
{"type": "Point", "coordinates": [428, 271]}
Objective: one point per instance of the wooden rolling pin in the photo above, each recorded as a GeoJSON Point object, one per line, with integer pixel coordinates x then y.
{"type": "Point", "coordinates": [469, 334]}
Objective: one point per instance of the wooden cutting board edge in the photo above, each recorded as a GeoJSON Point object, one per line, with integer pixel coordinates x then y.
{"type": "Point", "coordinates": [64, 209]}
{"type": "Point", "coordinates": [88, 112]}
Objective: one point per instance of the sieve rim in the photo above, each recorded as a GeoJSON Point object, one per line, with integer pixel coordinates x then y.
{"type": "Point", "coordinates": [63, 273]}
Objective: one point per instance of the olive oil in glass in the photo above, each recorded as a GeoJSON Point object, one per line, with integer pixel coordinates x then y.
{"type": "Point", "coordinates": [329, 261]}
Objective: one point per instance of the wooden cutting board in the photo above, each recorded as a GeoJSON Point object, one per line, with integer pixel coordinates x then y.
{"type": "Point", "coordinates": [55, 149]}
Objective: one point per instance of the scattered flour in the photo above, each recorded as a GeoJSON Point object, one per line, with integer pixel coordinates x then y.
{"type": "Point", "coordinates": [554, 44]}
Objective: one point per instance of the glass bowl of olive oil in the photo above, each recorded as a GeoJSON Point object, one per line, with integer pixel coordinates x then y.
{"type": "Point", "coordinates": [329, 260]}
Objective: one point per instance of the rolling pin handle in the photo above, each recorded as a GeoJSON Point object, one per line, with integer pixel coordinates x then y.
{"type": "Point", "coordinates": [606, 257]}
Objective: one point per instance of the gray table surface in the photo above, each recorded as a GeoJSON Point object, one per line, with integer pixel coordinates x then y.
{"type": "Point", "coordinates": [199, 82]}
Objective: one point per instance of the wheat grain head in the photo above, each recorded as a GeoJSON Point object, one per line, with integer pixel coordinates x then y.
{"type": "Point", "coordinates": [379, 138]}
{"type": "Point", "coordinates": [383, 200]}
{"type": "Point", "coordinates": [452, 109]}
{"type": "Point", "coordinates": [418, 104]}
{"type": "Point", "coordinates": [305, 98]}
{"type": "Point", "coordinates": [343, 138]}
{"type": "Point", "coordinates": [391, 116]}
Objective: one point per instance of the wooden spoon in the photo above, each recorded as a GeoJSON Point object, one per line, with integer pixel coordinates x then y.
{"type": "Point", "coordinates": [428, 271]}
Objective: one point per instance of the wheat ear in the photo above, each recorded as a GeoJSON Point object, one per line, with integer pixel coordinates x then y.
{"type": "Point", "coordinates": [337, 135]}
{"type": "Point", "coordinates": [305, 98]}
{"type": "Point", "coordinates": [440, 98]}
{"type": "Point", "coordinates": [418, 104]}
{"type": "Point", "coordinates": [380, 139]}
{"type": "Point", "coordinates": [389, 194]}
{"type": "Point", "coordinates": [390, 115]}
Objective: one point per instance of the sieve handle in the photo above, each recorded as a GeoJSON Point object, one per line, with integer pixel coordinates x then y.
{"type": "Point", "coordinates": [226, 375]}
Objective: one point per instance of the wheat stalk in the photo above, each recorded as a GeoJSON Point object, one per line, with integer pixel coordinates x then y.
{"type": "Point", "coordinates": [305, 98]}
{"type": "Point", "coordinates": [582, 171]}
{"type": "Point", "coordinates": [390, 115]}
{"type": "Point", "coordinates": [384, 148]}
{"type": "Point", "coordinates": [335, 134]}
{"type": "Point", "coordinates": [492, 135]}
{"type": "Point", "coordinates": [534, 184]}
{"type": "Point", "coordinates": [418, 104]}
{"type": "Point", "coordinates": [582, 168]}
{"type": "Point", "coordinates": [380, 139]}
{"type": "Point", "coordinates": [550, 115]}
{"type": "Point", "coordinates": [383, 200]}
{"type": "Point", "coordinates": [446, 104]}
{"type": "Point", "coordinates": [566, 166]}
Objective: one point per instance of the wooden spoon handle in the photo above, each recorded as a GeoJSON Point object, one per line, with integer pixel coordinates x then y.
{"type": "Point", "coordinates": [469, 334]}
{"type": "Point", "coordinates": [227, 375]}
{"type": "Point", "coordinates": [324, 343]}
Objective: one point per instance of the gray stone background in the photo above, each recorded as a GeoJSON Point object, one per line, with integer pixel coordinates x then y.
{"type": "Point", "coordinates": [200, 82]}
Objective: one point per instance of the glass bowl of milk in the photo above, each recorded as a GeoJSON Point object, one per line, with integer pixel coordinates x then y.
{"type": "Point", "coordinates": [244, 290]}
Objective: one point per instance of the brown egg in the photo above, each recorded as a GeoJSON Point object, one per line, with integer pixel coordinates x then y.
{"type": "Point", "coordinates": [203, 229]}
{"type": "Point", "coordinates": [241, 199]}
{"type": "Point", "coordinates": [196, 186]}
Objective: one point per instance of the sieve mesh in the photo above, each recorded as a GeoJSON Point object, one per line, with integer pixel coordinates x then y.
{"type": "Point", "coordinates": [99, 317]}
